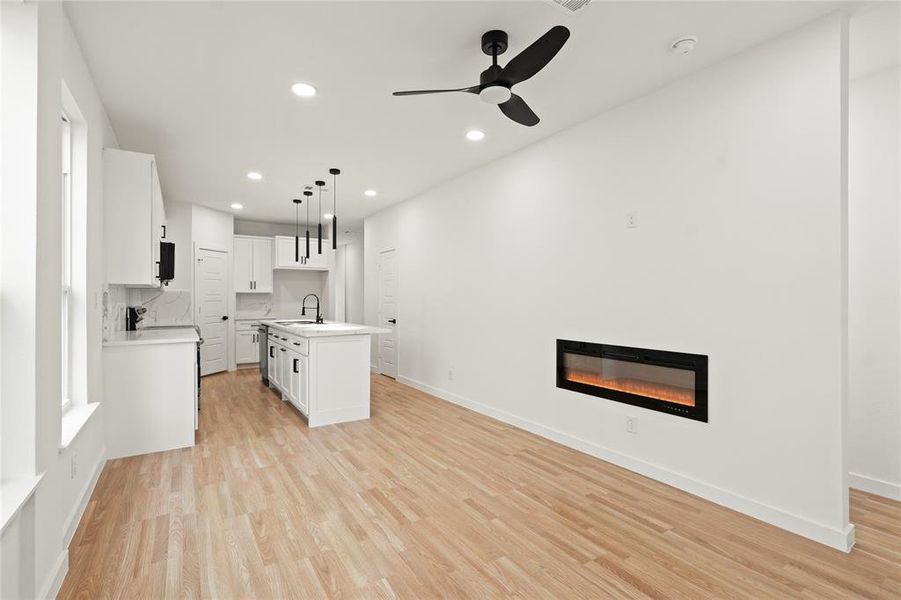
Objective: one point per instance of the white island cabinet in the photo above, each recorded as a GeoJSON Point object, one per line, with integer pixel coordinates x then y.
{"type": "Point", "coordinates": [322, 369]}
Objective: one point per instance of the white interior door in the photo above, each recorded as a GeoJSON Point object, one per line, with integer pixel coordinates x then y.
{"type": "Point", "coordinates": [211, 286]}
{"type": "Point", "coordinates": [388, 312]}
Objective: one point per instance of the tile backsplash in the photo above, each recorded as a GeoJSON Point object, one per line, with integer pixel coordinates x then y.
{"type": "Point", "coordinates": [164, 307]}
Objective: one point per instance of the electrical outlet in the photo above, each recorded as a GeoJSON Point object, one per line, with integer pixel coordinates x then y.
{"type": "Point", "coordinates": [632, 424]}
{"type": "Point", "coordinates": [450, 374]}
{"type": "Point", "coordinates": [74, 466]}
{"type": "Point", "coordinates": [632, 220]}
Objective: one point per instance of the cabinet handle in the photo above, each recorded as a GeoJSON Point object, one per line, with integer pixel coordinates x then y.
{"type": "Point", "coordinates": [295, 366]}
{"type": "Point", "coordinates": [271, 351]}
{"type": "Point", "coordinates": [296, 343]}
{"type": "Point", "coordinates": [282, 349]}
{"type": "Point", "coordinates": [157, 269]}
{"type": "Point", "coordinates": [164, 231]}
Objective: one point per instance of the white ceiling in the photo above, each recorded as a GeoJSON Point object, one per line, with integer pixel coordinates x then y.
{"type": "Point", "coordinates": [205, 86]}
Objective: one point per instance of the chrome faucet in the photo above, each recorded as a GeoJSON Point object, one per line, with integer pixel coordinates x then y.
{"type": "Point", "coordinates": [303, 307]}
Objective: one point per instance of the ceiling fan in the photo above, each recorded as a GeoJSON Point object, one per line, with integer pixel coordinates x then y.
{"type": "Point", "coordinates": [496, 81]}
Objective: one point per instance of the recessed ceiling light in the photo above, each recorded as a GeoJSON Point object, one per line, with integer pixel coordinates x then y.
{"type": "Point", "coordinates": [327, 216]}
{"type": "Point", "coordinates": [474, 135]}
{"type": "Point", "coordinates": [237, 205]}
{"type": "Point", "coordinates": [304, 90]}
{"type": "Point", "coordinates": [371, 193]}
{"type": "Point", "coordinates": [254, 176]}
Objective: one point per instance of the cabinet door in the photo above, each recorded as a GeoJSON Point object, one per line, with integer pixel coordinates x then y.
{"type": "Point", "coordinates": [262, 265]}
{"type": "Point", "coordinates": [273, 364]}
{"type": "Point", "coordinates": [284, 252]}
{"type": "Point", "coordinates": [299, 382]}
{"type": "Point", "coordinates": [243, 264]}
{"type": "Point", "coordinates": [282, 360]}
{"type": "Point", "coordinates": [157, 215]}
{"type": "Point", "coordinates": [319, 261]}
{"type": "Point", "coordinates": [245, 347]}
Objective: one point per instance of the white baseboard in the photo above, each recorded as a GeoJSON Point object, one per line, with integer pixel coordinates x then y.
{"type": "Point", "coordinates": [873, 485]}
{"type": "Point", "coordinates": [61, 566]}
{"type": "Point", "coordinates": [841, 539]}
{"type": "Point", "coordinates": [78, 510]}
{"type": "Point", "coordinates": [57, 575]}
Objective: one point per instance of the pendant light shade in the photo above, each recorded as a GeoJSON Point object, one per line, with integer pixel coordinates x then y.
{"type": "Point", "coordinates": [335, 173]}
{"type": "Point", "coordinates": [297, 229]}
{"type": "Point", "coordinates": [319, 184]}
{"type": "Point", "coordinates": [308, 194]}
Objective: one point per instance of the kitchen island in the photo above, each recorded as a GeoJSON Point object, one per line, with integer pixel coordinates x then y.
{"type": "Point", "coordinates": [321, 368]}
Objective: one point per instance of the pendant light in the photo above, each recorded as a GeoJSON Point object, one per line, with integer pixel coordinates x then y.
{"type": "Point", "coordinates": [297, 229]}
{"type": "Point", "coordinates": [335, 173]}
{"type": "Point", "coordinates": [308, 195]}
{"type": "Point", "coordinates": [319, 241]}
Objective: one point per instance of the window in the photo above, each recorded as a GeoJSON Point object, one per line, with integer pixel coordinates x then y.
{"type": "Point", "coordinates": [66, 320]}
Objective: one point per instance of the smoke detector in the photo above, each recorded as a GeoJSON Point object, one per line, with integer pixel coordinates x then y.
{"type": "Point", "coordinates": [570, 6]}
{"type": "Point", "coordinates": [684, 44]}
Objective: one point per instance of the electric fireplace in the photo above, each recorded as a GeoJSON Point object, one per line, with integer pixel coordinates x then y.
{"type": "Point", "coordinates": [670, 382]}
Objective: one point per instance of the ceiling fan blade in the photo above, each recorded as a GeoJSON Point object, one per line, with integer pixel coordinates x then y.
{"type": "Point", "coordinates": [472, 90]}
{"type": "Point", "coordinates": [517, 109]}
{"type": "Point", "coordinates": [535, 57]}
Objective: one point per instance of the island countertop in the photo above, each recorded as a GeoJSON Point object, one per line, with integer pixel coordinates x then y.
{"type": "Point", "coordinates": [306, 329]}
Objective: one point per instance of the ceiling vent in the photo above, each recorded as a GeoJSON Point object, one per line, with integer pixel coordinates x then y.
{"type": "Point", "coordinates": [570, 6]}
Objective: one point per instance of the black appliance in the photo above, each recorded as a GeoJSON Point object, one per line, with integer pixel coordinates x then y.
{"type": "Point", "coordinates": [166, 263]}
{"type": "Point", "coordinates": [133, 316]}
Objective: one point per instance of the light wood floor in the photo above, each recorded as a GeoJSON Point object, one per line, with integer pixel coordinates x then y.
{"type": "Point", "coordinates": [427, 499]}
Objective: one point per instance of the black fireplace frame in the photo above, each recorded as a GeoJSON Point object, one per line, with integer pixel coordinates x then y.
{"type": "Point", "coordinates": [663, 358]}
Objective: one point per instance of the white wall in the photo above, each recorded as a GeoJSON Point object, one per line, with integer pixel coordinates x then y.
{"type": "Point", "coordinates": [58, 500]}
{"type": "Point", "coordinates": [874, 319]}
{"type": "Point", "coordinates": [737, 176]}
{"type": "Point", "coordinates": [353, 272]}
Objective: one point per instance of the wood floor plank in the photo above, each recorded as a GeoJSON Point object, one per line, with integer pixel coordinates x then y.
{"type": "Point", "coordinates": [429, 500]}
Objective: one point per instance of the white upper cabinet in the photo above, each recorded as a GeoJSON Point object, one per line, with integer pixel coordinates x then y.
{"type": "Point", "coordinates": [284, 254]}
{"type": "Point", "coordinates": [253, 264]}
{"type": "Point", "coordinates": [134, 218]}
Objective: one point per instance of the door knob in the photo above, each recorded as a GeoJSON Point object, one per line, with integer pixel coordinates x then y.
{"type": "Point", "coordinates": [225, 317]}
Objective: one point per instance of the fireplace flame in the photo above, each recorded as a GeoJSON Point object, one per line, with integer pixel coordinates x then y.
{"type": "Point", "coordinates": [657, 391]}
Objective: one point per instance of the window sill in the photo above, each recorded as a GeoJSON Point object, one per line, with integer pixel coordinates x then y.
{"type": "Point", "coordinates": [15, 492]}
{"type": "Point", "coordinates": [74, 421]}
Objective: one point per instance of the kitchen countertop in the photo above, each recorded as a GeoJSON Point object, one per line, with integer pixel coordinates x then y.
{"type": "Point", "coordinates": [327, 329]}
{"type": "Point", "coordinates": [175, 335]}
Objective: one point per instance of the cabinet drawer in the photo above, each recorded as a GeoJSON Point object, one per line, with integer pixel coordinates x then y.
{"type": "Point", "coordinates": [299, 344]}
{"type": "Point", "coordinates": [246, 325]}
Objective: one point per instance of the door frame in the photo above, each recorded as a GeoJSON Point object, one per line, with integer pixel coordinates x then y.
{"type": "Point", "coordinates": [396, 313]}
{"type": "Point", "coordinates": [230, 357]}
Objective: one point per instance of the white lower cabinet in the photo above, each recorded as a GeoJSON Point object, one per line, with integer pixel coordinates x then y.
{"type": "Point", "coordinates": [247, 346]}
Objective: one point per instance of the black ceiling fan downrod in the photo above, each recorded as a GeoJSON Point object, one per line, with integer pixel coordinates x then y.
{"type": "Point", "coordinates": [308, 195]}
{"type": "Point", "coordinates": [335, 172]}
{"type": "Point", "coordinates": [319, 239]}
{"type": "Point", "coordinates": [297, 229]}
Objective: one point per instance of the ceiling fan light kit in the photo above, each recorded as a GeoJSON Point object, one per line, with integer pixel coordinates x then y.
{"type": "Point", "coordinates": [496, 82]}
